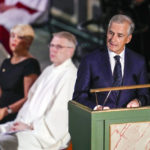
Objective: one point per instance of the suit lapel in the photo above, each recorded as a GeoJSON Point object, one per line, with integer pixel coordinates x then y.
{"type": "Point", "coordinates": [127, 73]}
{"type": "Point", "coordinates": [107, 73]}
{"type": "Point", "coordinates": [127, 67]}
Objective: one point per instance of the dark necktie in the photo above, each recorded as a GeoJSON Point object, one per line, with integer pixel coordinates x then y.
{"type": "Point", "coordinates": [117, 75]}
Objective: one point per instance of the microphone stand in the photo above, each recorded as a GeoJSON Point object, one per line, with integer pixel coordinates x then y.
{"type": "Point", "coordinates": [106, 99]}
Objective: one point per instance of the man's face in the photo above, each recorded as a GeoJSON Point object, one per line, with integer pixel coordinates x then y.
{"type": "Point", "coordinates": [60, 50]}
{"type": "Point", "coordinates": [117, 37]}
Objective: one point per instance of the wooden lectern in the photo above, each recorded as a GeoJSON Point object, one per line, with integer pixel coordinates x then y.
{"type": "Point", "coordinates": [114, 129]}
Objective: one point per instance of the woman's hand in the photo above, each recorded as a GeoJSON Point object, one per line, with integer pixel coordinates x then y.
{"type": "Point", "coordinates": [3, 112]}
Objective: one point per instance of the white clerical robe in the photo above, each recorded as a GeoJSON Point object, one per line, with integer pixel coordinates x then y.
{"type": "Point", "coordinates": [16, 16]}
{"type": "Point", "coordinates": [46, 109]}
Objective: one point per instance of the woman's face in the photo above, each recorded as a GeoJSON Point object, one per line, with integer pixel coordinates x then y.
{"type": "Point", "coordinates": [17, 43]}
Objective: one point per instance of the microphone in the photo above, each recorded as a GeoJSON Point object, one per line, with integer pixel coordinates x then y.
{"type": "Point", "coordinates": [106, 99]}
{"type": "Point", "coordinates": [102, 106]}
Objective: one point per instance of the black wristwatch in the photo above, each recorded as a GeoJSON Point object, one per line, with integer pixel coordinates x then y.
{"type": "Point", "coordinates": [140, 104]}
{"type": "Point", "coordinates": [9, 110]}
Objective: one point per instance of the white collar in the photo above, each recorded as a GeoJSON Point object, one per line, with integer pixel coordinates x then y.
{"type": "Point", "coordinates": [112, 54]}
{"type": "Point", "coordinates": [63, 65]}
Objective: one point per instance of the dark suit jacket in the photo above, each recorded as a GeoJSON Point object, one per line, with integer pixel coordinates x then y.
{"type": "Point", "coordinates": [95, 72]}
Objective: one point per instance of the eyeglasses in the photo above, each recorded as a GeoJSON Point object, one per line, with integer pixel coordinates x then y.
{"type": "Point", "coordinates": [58, 46]}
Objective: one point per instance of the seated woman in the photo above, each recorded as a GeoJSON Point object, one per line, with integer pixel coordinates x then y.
{"type": "Point", "coordinates": [17, 73]}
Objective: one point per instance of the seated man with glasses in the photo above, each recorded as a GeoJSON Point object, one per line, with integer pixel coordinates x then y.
{"type": "Point", "coordinates": [42, 122]}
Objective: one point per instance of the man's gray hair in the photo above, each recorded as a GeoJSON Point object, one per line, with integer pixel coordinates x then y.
{"type": "Point", "coordinates": [69, 36]}
{"type": "Point", "coordinates": [119, 18]}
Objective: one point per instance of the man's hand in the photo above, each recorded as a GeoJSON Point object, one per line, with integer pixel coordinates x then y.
{"type": "Point", "coordinates": [18, 126]}
{"type": "Point", "coordinates": [133, 103]}
{"type": "Point", "coordinates": [99, 107]}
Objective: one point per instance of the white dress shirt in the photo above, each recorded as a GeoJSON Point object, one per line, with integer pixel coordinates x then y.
{"type": "Point", "coordinates": [112, 60]}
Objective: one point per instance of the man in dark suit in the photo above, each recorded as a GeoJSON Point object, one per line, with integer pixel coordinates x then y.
{"type": "Point", "coordinates": [97, 70]}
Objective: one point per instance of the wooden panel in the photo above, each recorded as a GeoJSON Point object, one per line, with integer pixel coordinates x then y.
{"type": "Point", "coordinates": [131, 136]}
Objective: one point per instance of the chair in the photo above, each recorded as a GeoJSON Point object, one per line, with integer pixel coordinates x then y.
{"type": "Point", "coordinates": [69, 147]}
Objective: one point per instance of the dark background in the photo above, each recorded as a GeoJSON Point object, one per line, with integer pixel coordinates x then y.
{"type": "Point", "coordinates": [88, 20]}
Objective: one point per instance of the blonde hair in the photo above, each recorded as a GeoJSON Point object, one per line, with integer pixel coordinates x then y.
{"type": "Point", "coordinates": [24, 30]}
{"type": "Point", "coordinates": [67, 35]}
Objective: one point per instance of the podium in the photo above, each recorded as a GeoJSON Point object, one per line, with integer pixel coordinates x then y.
{"type": "Point", "coordinates": [113, 129]}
